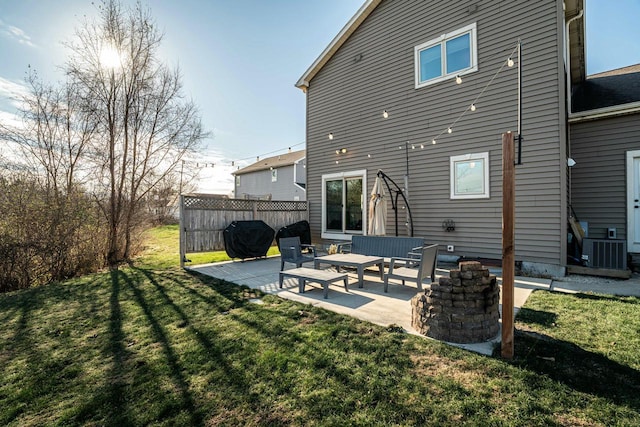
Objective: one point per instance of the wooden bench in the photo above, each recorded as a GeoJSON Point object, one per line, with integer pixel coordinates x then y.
{"type": "Point", "coordinates": [386, 247]}
{"type": "Point", "coordinates": [323, 277]}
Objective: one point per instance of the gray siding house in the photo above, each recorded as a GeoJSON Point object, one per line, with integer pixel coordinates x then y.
{"type": "Point", "coordinates": [281, 177]}
{"type": "Point", "coordinates": [424, 89]}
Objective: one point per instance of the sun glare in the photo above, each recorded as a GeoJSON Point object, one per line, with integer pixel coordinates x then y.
{"type": "Point", "coordinates": [110, 57]}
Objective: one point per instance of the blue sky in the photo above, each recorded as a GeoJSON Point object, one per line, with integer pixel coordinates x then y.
{"type": "Point", "coordinates": [240, 59]}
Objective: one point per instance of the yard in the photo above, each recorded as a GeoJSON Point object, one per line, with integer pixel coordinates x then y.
{"type": "Point", "coordinates": [154, 345]}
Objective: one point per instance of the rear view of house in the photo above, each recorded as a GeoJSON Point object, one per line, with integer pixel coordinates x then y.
{"type": "Point", "coordinates": [423, 90]}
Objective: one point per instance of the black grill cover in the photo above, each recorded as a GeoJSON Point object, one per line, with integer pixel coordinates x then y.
{"type": "Point", "coordinates": [247, 239]}
{"type": "Point", "coordinates": [300, 229]}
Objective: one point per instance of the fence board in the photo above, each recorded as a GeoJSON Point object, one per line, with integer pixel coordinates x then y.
{"type": "Point", "coordinates": [204, 218]}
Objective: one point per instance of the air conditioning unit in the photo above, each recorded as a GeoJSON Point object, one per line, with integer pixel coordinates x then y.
{"type": "Point", "coordinates": [605, 253]}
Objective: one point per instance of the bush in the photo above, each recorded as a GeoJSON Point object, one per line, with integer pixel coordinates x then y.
{"type": "Point", "coordinates": [46, 236]}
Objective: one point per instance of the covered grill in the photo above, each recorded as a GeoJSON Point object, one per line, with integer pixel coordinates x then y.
{"type": "Point", "coordinates": [247, 239]}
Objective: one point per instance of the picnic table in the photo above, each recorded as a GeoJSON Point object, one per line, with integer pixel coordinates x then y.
{"type": "Point", "coordinates": [360, 262]}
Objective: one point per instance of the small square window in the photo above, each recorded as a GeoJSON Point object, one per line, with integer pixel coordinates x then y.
{"type": "Point", "coordinates": [470, 176]}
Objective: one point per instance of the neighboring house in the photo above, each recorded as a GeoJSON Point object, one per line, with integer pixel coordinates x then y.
{"type": "Point", "coordinates": [281, 177]}
{"type": "Point", "coordinates": [404, 58]}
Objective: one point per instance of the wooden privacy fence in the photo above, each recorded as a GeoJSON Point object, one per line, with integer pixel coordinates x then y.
{"type": "Point", "coordinates": [204, 218]}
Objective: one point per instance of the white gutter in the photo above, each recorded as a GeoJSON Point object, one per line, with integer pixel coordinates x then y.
{"type": "Point", "coordinates": [601, 113]}
{"type": "Point", "coordinates": [567, 50]}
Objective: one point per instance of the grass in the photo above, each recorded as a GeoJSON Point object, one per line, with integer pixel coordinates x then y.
{"type": "Point", "coordinates": [155, 345]}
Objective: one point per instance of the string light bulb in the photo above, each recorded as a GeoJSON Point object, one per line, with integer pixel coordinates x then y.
{"type": "Point", "coordinates": [421, 146]}
{"type": "Point", "coordinates": [510, 62]}
{"type": "Point", "coordinates": [449, 130]}
{"type": "Point", "coordinates": [458, 80]}
{"type": "Point", "coordinates": [473, 107]}
{"type": "Point", "coordinates": [385, 114]}
{"type": "Point", "coordinates": [331, 135]}
{"type": "Point", "coordinates": [413, 147]}
{"type": "Point", "coordinates": [433, 141]}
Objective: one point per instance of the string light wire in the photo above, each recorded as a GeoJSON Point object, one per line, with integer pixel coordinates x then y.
{"type": "Point", "coordinates": [472, 106]}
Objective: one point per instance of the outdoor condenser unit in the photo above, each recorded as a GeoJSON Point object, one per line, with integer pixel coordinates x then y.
{"type": "Point", "coordinates": [605, 253]}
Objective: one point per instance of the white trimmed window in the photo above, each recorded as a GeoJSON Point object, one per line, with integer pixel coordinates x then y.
{"type": "Point", "coordinates": [470, 176]}
{"type": "Point", "coordinates": [274, 175]}
{"type": "Point", "coordinates": [447, 56]}
{"type": "Point", "coordinates": [343, 204]}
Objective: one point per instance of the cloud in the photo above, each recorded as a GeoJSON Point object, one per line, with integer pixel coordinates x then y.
{"type": "Point", "coordinates": [10, 119]}
{"type": "Point", "coordinates": [13, 91]}
{"type": "Point", "coordinates": [16, 34]}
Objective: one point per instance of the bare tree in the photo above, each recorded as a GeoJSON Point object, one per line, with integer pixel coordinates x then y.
{"type": "Point", "coordinates": [54, 134]}
{"type": "Point", "coordinates": [144, 124]}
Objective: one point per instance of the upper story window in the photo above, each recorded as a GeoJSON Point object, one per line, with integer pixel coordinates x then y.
{"type": "Point", "coordinates": [447, 56]}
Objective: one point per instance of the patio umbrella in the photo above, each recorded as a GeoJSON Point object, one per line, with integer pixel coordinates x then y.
{"type": "Point", "coordinates": [377, 209]}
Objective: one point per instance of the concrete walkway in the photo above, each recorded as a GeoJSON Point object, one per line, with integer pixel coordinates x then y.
{"type": "Point", "coordinates": [369, 303]}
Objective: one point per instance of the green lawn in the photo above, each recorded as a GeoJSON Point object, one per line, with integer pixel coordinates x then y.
{"type": "Point", "coordinates": [154, 345]}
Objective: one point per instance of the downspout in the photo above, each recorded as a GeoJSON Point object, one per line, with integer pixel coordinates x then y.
{"type": "Point", "coordinates": [567, 52]}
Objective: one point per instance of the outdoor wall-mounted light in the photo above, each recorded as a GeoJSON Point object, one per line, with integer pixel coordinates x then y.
{"type": "Point", "coordinates": [570, 162]}
{"type": "Point", "coordinates": [341, 151]}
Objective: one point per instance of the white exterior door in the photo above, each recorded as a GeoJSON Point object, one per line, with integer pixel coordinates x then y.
{"type": "Point", "coordinates": [633, 201]}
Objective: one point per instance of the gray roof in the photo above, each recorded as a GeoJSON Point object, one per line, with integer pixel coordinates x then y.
{"type": "Point", "coordinates": [280, 160]}
{"type": "Point", "coordinates": [608, 89]}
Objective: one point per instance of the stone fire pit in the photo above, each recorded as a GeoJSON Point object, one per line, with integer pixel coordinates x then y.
{"type": "Point", "coordinates": [462, 308]}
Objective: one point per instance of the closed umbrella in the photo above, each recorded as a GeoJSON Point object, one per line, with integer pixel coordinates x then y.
{"type": "Point", "coordinates": [377, 209]}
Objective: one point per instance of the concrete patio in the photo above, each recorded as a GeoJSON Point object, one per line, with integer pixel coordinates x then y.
{"type": "Point", "coordinates": [369, 303]}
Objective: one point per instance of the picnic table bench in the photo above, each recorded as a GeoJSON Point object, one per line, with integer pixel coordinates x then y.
{"type": "Point", "coordinates": [324, 277]}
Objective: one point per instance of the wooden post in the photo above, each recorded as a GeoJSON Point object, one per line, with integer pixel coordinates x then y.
{"type": "Point", "coordinates": [508, 241]}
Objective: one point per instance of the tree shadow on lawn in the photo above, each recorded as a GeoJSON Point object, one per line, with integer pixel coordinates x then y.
{"type": "Point", "coordinates": [569, 364]}
{"type": "Point", "coordinates": [226, 363]}
{"type": "Point", "coordinates": [49, 336]}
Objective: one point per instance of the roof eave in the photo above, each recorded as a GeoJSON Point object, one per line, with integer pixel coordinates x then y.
{"type": "Point", "coordinates": [601, 113]}
{"type": "Point", "coordinates": [344, 34]}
